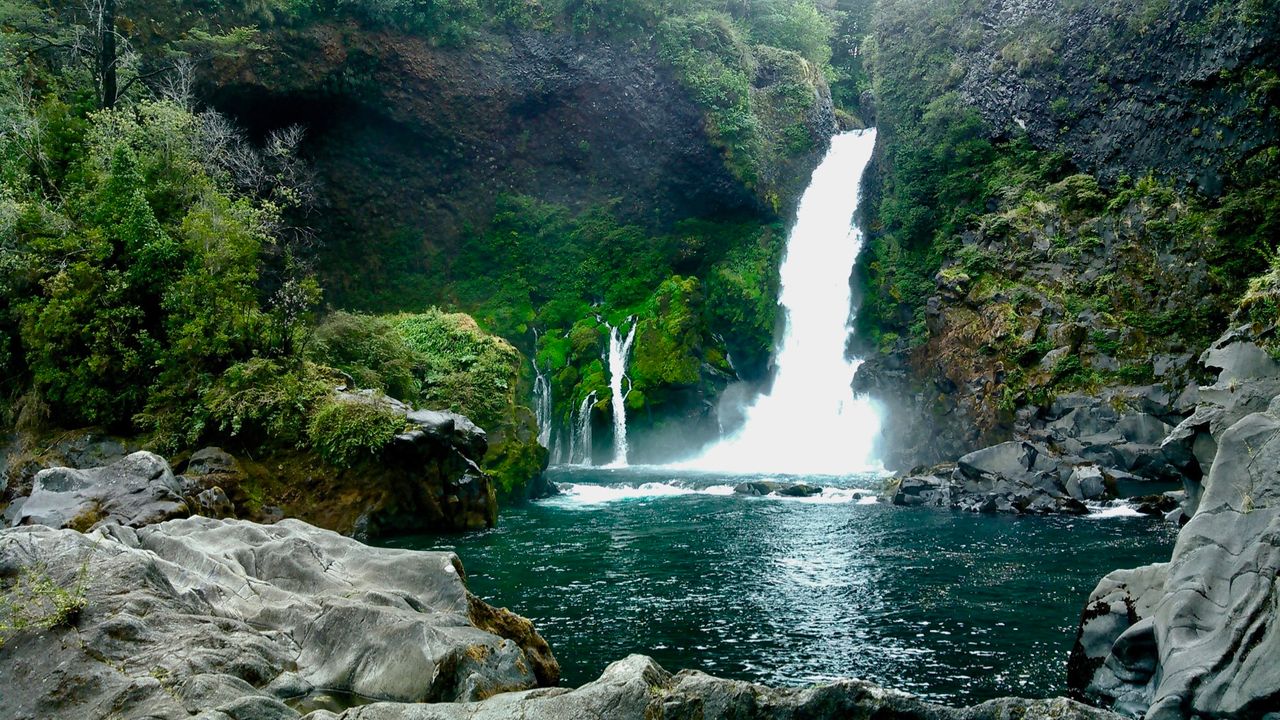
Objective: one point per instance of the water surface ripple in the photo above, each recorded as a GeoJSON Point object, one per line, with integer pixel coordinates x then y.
{"type": "Point", "coordinates": [953, 606]}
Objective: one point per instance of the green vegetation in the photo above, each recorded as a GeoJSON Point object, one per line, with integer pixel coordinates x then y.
{"type": "Point", "coordinates": [542, 268]}
{"type": "Point", "coordinates": [36, 601]}
{"type": "Point", "coordinates": [463, 368]}
{"type": "Point", "coordinates": [1064, 282]}
{"type": "Point", "coordinates": [154, 286]}
{"type": "Point", "coordinates": [348, 430]}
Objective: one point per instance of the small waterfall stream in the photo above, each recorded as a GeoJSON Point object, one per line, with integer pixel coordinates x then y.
{"type": "Point", "coordinates": [619, 355]}
{"type": "Point", "coordinates": [580, 433]}
{"type": "Point", "coordinates": [542, 406]}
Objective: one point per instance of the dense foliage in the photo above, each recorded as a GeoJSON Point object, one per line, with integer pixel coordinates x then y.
{"type": "Point", "coordinates": [153, 286]}
{"type": "Point", "coordinates": [542, 269]}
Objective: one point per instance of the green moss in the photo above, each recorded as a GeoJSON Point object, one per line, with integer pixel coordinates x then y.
{"type": "Point", "coordinates": [668, 340]}
{"type": "Point", "coordinates": [463, 368]}
{"type": "Point", "coordinates": [513, 464]}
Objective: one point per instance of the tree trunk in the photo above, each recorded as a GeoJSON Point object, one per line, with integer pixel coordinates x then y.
{"type": "Point", "coordinates": [107, 54]}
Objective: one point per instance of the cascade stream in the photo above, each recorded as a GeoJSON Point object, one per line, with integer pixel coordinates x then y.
{"type": "Point", "coordinates": [810, 421]}
{"type": "Point", "coordinates": [619, 355]}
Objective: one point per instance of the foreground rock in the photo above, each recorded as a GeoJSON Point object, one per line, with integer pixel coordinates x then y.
{"type": "Point", "coordinates": [637, 688]}
{"type": "Point", "coordinates": [1012, 477]}
{"type": "Point", "coordinates": [230, 619]}
{"type": "Point", "coordinates": [1199, 635]}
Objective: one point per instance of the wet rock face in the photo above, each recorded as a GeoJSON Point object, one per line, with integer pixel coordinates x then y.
{"type": "Point", "coordinates": [1116, 87]}
{"type": "Point", "coordinates": [231, 619]}
{"type": "Point", "coordinates": [1203, 633]}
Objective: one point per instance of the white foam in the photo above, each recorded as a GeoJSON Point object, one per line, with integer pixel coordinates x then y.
{"type": "Point", "coordinates": [1115, 509]}
{"type": "Point", "coordinates": [586, 494]}
{"type": "Point", "coordinates": [598, 494]}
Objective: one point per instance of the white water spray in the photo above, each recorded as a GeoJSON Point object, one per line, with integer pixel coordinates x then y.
{"type": "Point", "coordinates": [619, 355]}
{"type": "Point", "coordinates": [811, 422]}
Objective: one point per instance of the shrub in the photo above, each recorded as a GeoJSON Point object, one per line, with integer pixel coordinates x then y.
{"type": "Point", "coordinates": [464, 368]}
{"type": "Point", "coordinates": [370, 350]}
{"type": "Point", "coordinates": [345, 431]}
{"type": "Point", "coordinates": [267, 401]}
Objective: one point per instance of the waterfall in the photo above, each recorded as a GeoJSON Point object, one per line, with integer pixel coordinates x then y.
{"type": "Point", "coordinates": [811, 422]}
{"type": "Point", "coordinates": [580, 437]}
{"type": "Point", "coordinates": [619, 354]}
{"type": "Point", "coordinates": [542, 406]}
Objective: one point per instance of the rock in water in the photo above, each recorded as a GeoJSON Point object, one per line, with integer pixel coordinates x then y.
{"type": "Point", "coordinates": [1199, 635]}
{"type": "Point", "coordinates": [137, 490]}
{"type": "Point", "coordinates": [203, 615]}
{"type": "Point", "coordinates": [760, 488]}
{"type": "Point", "coordinates": [637, 688]}
{"type": "Point", "coordinates": [1012, 477]}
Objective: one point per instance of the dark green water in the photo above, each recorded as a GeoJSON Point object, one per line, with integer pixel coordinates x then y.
{"type": "Point", "coordinates": [954, 606]}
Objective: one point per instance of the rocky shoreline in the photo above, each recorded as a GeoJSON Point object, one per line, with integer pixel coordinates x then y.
{"type": "Point", "coordinates": [1198, 635]}
{"type": "Point", "coordinates": [121, 606]}
{"type": "Point", "coordinates": [232, 620]}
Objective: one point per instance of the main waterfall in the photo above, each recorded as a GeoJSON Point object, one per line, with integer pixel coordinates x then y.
{"type": "Point", "coordinates": [811, 422]}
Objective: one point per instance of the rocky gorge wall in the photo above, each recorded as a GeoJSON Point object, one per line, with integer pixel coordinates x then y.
{"type": "Point", "coordinates": [543, 178]}
{"type": "Point", "coordinates": [1069, 199]}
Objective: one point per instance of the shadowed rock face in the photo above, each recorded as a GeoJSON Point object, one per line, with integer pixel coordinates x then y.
{"type": "Point", "coordinates": [1121, 83]}
{"type": "Point", "coordinates": [1201, 633]}
{"type": "Point", "coordinates": [202, 615]}
{"type": "Point", "coordinates": [413, 143]}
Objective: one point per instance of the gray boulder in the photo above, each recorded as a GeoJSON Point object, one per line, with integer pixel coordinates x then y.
{"type": "Point", "coordinates": [1086, 483]}
{"type": "Point", "coordinates": [137, 490]}
{"type": "Point", "coordinates": [1199, 635]}
{"type": "Point", "coordinates": [759, 488]}
{"type": "Point", "coordinates": [1012, 477]}
{"type": "Point", "coordinates": [212, 461]}
{"type": "Point", "coordinates": [1248, 378]}
{"type": "Point", "coordinates": [230, 618]}
{"type": "Point", "coordinates": [637, 688]}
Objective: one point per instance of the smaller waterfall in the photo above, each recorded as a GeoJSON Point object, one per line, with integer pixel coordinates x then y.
{"type": "Point", "coordinates": [619, 355]}
{"type": "Point", "coordinates": [542, 406]}
{"type": "Point", "coordinates": [580, 437]}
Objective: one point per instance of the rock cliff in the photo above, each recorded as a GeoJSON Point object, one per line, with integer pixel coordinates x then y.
{"type": "Point", "coordinates": [1070, 199]}
{"type": "Point", "coordinates": [1197, 635]}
